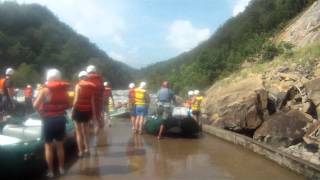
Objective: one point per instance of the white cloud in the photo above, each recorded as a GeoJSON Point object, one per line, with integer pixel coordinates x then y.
{"type": "Point", "coordinates": [183, 36]}
{"type": "Point", "coordinates": [96, 19]}
{"type": "Point", "coordinates": [240, 6]}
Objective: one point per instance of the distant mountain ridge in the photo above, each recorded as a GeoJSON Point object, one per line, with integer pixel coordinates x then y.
{"type": "Point", "coordinates": [33, 39]}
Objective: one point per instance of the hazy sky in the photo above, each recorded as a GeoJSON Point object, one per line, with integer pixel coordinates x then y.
{"type": "Point", "coordinates": [141, 32]}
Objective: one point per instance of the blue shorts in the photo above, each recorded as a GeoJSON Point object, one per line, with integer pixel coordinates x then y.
{"type": "Point", "coordinates": [140, 110]}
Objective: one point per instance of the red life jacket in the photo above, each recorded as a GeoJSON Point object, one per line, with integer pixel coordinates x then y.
{"type": "Point", "coordinates": [86, 90]}
{"type": "Point", "coordinates": [131, 96]}
{"type": "Point", "coordinates": [58, 101]}
{"type": "Point", "coordinates": [27, 92]}
{"type": "Point", "coordinates": [97, 80]}
{"type": "Point", "coordinates": [107, 92]}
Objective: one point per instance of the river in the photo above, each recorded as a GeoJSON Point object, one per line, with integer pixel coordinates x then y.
{"type": "Point", "coordinates": [119, 154]}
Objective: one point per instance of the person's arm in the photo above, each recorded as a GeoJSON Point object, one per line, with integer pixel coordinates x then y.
{"type": "Point", "coordinates": [76, 95]}
{"type": "Point", "coordinates": [39, 99]}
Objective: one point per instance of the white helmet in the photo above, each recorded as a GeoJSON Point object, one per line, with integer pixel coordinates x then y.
{"type": "Point", "coordinates": [53, 74]}
{"type": "Point", "coordinates": [105, 83]}
{"type": "Point", "coordinates": [28, 86]}
{"type": "Point", "coordinates": [83, 74]}
{"type": "Point", "coordinates": [190, 93]}
{"type": "Point", "coordinates": [196, 92]}
{"type": "Point", "coordinates": [9, 71]}
{"type": "Point", "coordinates": [131, 85]}
{"type": "Point", "coordinates": [143, 84]}
{"type": "Point", "coordinates": [91, 68]}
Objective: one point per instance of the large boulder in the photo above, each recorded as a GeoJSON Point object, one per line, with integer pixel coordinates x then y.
{"type": "Point", "coordinates": [283, 129]}
{"type": "Point", "coordinates": [237, 106]}
{"type": "Point", "coordinates": [313, 90]}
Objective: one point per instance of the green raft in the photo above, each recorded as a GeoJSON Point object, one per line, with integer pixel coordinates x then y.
{"type": "Point", "coordinates": [22, 149]}
{"type": "Point", "coordinates": [181, 125]}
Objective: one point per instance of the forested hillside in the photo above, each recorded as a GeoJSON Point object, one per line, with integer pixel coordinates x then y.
{"type": "Point", "coordinates": [246, 37]}
{"type": "Point", "coordinates": [33, 39]}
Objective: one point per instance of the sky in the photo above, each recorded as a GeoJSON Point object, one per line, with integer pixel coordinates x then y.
{"type": "Point", "coordinates": [142, 32]}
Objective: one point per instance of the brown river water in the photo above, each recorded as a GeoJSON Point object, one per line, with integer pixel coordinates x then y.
{"type": "Point", "coordinates": [120, 154]}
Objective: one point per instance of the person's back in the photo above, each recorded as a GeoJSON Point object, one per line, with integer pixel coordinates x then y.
{"type": "Point", "coordinates": [165, 95]}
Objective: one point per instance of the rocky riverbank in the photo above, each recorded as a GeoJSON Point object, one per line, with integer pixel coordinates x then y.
{"type": "Point", "coordinates": [277, 102]}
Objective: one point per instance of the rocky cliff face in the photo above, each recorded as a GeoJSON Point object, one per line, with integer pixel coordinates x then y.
{"type": "Point", "coordinates": [278, 104]}
{"type": "Point", "coordinates": [305, 29]}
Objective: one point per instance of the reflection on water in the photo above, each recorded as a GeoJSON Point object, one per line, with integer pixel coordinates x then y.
{"type": "Point", "coordinates": [119, 154]}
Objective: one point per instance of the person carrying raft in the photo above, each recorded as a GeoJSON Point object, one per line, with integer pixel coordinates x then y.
{"type": "Point", "coordinates": [166, 100]}
{"type": "Point", "coordinates": [6, 93]}
{"type": "Point", "coordinates": [142, 99]}
{"type": "Point", "coordinates": [83, 108]}
{"type": "Point", "coordinates": [131, 105]}
{"type": "Point", "coordinates": [52, 103]}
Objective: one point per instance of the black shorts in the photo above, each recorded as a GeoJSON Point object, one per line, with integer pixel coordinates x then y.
{"type": "Point", "coordinates": [54, 128]}
{"type": "Point", "coordinates": [81, 116]}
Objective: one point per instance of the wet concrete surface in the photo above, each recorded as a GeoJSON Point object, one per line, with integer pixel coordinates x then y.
{"type": "Point", "coordinates": [120, 154]}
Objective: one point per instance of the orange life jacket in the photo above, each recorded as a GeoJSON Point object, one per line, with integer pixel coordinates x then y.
{"type": "Point", "coordinates": [86, 91]}
{"type": "Point", "coordinates": [131, 96]}
{"type": "Point", "coordinates": [27, 92]}
{"type": "Point", "coordinates": [107, 92]}
{"type": "Point", "coordinates": [2, 85]}
{"type": "Point", "coordinates": [57, 102]}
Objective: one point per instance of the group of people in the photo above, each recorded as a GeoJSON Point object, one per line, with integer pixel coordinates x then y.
{"type": "Point", "coordinates": [139, 101]}
{"type": "Point", "coordinates": [138, 104]}
{"type": "Point", "coordinates": [52, 99]}
{"type": "Point", "coordinates": [90, 104]}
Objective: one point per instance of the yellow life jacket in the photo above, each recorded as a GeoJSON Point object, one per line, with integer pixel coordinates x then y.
{"type": "Point", "coordinates": [140, 96]}
{"type": "Point", "coordinates": [197, 103]}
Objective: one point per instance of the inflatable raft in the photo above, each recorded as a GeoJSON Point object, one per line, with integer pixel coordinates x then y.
{"type": "Point", "coordinates": [180, 122]}
{"type": "Point", "coordinates": [21, 147]}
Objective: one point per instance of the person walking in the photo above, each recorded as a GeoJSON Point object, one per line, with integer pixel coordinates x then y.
{"type": "Point", "coordinates": [166, 99]}
{"type": "Point", "coordinates": [141, 100]}
{"type": "Point", "coordinates": [83, 108]}
{"type": "Point", "coordinates": [52, 103]}
{"type": "Point", "coordinates": [131, 105]}
{"type": "Point", "coordinates": [196, 105]}
{"type": "Point", "coordinates": [96, 79]}
{"type": "Point", "coordinates": [107, 95]}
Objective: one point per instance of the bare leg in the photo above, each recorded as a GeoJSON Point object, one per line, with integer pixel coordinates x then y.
{"type": "Point", "coordinates": [60, 150]}
{"type": "Point", "coordinates": [49, 155]}
{"type": "Point", "coordinates": [133, 121]}
{"type": "Point", "coordinates": [138, 123]}
{"type": "Point", "coordinates": [141, 122]}
{"type": "Point", "coordinates": [161, 131]}
{"type": "Point", "coordinates": [84, 127]}
{"type": "Point", "coordinates": [79, 138]}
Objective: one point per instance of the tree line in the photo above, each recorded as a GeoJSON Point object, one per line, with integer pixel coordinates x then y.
{"type": "Point", "coordinates": [33, 39]}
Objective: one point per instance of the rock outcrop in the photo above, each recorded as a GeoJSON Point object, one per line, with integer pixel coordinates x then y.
{"type": "Point", "coordinates": [305, 29]}
{"type": "Point", "coordinates": [283, 129]}
{"type": "Point", "coordinates": [239, 106]}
